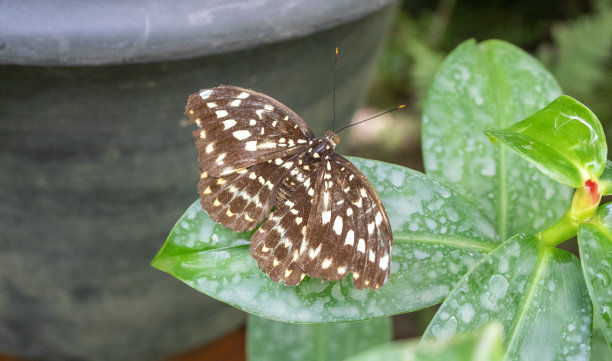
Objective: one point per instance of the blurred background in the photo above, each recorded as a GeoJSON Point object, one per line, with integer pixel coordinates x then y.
{"type": "Point", "coordinates": [572, 38]}
{"type": "Point", "coordinates": [84, 172]}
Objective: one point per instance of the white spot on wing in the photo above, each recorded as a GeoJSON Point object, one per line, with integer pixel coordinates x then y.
{"type": "Point", "coordinates": [241, 134]}
{"type": "Point", "coordinates": [266, 145]}
{"type": "Point", "coordinates": [221, 113]}
{"type": "Point", "coordinates": [361, 245]}
{"type": "Point", "coordinates": [206, 94]}
{"type": "Point", "coordinates": [243, 95]}
{"type": "Point", "coordinates": [383, 263]}
{"type": "Point", "coordinates": [338, 225]}
{"type": "Point", "coordinates": [326, 217]}
{"type": "Point", "coordinates": [378, 218]}
{"type": "Point", "coordinates": [350, 238]}
{"type": "Point", "coordinates": [312, 253]}
{"type": "Point", "coordinates": [220, 158]}
{"type": "Point", "coordinates": [228, 123]}
{"type": "Point", "coordinates": [251, 146]}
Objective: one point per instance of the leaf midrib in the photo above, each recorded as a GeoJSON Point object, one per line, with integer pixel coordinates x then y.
{"type": "Point", "coordinates": [458, 242]}
{"type": "Point", "coordinates": [543, 258]}
{"type": "Point", "coordinates": [502, 118]}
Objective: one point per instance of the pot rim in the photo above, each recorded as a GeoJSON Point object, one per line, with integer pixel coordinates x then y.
{"type": "Point", "coordinates": [73, 32]}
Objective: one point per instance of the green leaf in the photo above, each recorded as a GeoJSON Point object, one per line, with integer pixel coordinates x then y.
{"type": "Point", "coordinates": [605, 179]}
{"type": "Point", "coordinates": [600, 349]}
{"type": "Point", "coordinates": [491, 85]}
{"type": "Point", "coordinates": [485, 345]}
{"type": "Point", "coordinates": [595, 243]}
{"type": "Point", "coordinates": [273, 340]}
{"type": "Point", "coordinates": [536, 292]}
{"type": "Point", "coordinates": [438, 236]}
{"type": "Point", "coordinates": [564, 140]}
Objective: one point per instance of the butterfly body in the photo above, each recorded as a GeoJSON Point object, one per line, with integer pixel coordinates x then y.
{"type": "Point", "coordinates": [255, 153]}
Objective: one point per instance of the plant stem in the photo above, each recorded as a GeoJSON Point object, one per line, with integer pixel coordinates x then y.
{"type": "Point", "coordinates": [584, 204]}
{"type": "Point", "coordinates": [565, 228]}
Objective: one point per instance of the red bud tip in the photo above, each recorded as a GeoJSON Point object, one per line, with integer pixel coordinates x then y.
{"type": "Point", "coordinates": [593, 188]}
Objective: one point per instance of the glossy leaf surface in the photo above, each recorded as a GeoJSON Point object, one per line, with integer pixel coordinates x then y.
{"type": "Point", "coordinates": [438, 235]}
{"type": "Point", "coordinates": [564, 140]}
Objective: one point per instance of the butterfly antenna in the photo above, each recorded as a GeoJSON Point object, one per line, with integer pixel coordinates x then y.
{"type": "Point", "coordinates": [334, 92]}
{"type": "Point", "coordinates": [376, 116]}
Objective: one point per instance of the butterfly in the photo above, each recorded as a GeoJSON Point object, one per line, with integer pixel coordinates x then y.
{"type": "Point", "coordinates": [254, 154]}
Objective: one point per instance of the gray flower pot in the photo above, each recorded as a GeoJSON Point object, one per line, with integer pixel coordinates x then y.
{"type": "Point", "coordinates": [97, 161]}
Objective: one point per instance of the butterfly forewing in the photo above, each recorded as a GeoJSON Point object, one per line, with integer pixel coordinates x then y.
{"type": "Point", "coordinates": [240, 128]}
{"type": "Point", "coordinates": [349, 231]}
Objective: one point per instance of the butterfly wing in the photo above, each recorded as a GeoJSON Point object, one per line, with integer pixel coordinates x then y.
{"type": "Point", "coordinates": [240, 127]}
{"type": "Point", "coordinates": [242, 199]}
{"type": "Point", "coordinates": [278, 245]}
{"type": "Point", "coordinates": [348, 230]}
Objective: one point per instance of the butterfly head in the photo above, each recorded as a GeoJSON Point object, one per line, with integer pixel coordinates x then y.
{"type": "Point", "coordinates": [323, 148]}
{"type": "Point", "coordinates": [333, 137]}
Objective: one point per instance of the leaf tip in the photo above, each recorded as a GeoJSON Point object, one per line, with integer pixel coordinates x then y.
{"type": "Point", "coordinates": [489, 132]}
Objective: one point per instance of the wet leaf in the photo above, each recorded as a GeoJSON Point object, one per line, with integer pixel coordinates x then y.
{"type": "Point", "coordinates": [595, 243]}
{"type": "Point", "coordinates": [491, 85]}
{"type": "Point", "coordinates": [564, 140]}
{"type": "Point", "coordinates": [536, 292]}
{"type": "Point", "coordinates": [438, 235]}
{"type": "Point", "coordinates": [272, 340]}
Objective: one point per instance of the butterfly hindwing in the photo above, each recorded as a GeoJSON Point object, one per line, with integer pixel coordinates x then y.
{"type": "Point", "coordinates": [239, 128]}
{"type": "Point", "coordinates": [349, 231]}
{"type": "Point", "coordinates": [241, 200]}
{"type": "Point", "coordinates": [279, 244]}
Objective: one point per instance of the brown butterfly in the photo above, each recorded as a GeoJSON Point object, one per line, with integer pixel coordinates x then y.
{"type": "Point", "coordinates": [256, 153]}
